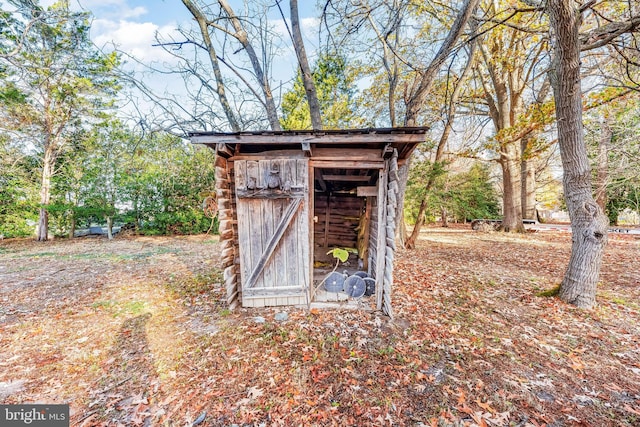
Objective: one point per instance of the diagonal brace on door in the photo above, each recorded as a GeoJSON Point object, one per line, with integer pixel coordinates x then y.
{"type": "Point", "coordinates": [273, 241]}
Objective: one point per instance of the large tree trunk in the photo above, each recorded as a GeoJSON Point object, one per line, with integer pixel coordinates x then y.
{"type": "Point", "coordinates": [305, 69]}
{"type": "Point", "coordinates": [512, 210]}
{"type": "Point", "coordinates": [588, 222]}
{"type": "Point", "coordinates": [504, 101]}
{"type": "Point", "coordinates": [528, 178]}
{"type": "Point", "coordinates": [45, 193]}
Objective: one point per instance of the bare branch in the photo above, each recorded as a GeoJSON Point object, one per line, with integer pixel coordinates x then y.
{"type": "Point", "coordinates": [604, 35]}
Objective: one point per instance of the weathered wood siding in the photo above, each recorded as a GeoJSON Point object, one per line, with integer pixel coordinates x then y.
{"type": "Point", "coordinates": [378, 237]}
{"type": "Point", "coordinates": [272, 203]}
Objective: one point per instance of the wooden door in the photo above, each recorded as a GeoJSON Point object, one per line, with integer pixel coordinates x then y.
{"type": "Point", "coordinates": [272, 203]}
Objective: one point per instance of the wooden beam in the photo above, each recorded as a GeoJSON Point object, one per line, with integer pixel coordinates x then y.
{"type": "Point", "coordinates": [346, 164]}
{"type": "Point", "coordinates": [381, 236]}
{"type": "Point", "coordinates": [289, 214]}
{"type": "Point", "coordinates": [224, 149]}
{"type": "Point", "coordinates": [367, 191]}
{"type": "Point", "coordinates": [271, 154]}
{"type": "Point", "coordinates": [271, 193]}
{"type": "Point", "coordinates": [347, 178]}
{"type": "Point", "coordinates": [387, 151]}
{"type": "Point", "coordinates": [318, 177]}
{"type": "Point", "coordinates": [360, 154]}
{"type": "Point", "coordinates": [306, 147]}
{"type": "Point", "coordinates": [327, 220]}
{"type": "Point", "coordinates": [367, 233]}
{"type": "Point", "coordinates": [323, 138]}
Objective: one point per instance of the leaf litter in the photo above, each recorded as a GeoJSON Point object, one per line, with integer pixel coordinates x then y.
{"type": "Point", "coordinates": [134, 332]}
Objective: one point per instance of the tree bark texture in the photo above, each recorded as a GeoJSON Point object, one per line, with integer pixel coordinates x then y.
{"type": "Point", "coordinates": [588, 222]}
{"type": "Point", "coordinates": [511, 192]}
{"type": "Point", "coordinates": [305, 69]}
{"type": "Point", "coordinates": [109, 227]}
{"type": "Point", "coordinates": [503, 93]}
{"type": "Point", "coordinates": [528, 178]}
{"type": "Point", "coordinates": [48, 163]}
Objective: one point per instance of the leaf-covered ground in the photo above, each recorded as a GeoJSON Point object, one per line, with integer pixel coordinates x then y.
{"type": "Point", "coordinates": [133, 332]}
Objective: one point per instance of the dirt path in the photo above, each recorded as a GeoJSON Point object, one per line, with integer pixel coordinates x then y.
{"type": "Point", "coordinates": [133, 332]}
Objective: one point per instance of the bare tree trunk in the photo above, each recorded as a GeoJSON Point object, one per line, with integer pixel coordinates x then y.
{"type": "Point", "coordinates": [410, 242]}
{"type": "Point", "coordinates": [528, 167]}
{"type": "Point", "coordinates": [588, 222]}
{"type": "Point", "coordinates": [215, 66]}
{"type": "Point", "coordinates": [72, 226]}
{"type": "Point", "coordinates": [417, 98]}
{"type": "Point", "coordinates": [45, 193]}
{"type": "Point", "coordinates": [443, 216]}
{"type": "Point", "coordinates": [390, 63]}
{"type": "Point", "coordinates": [241, 35]}
{"type": "Point", "coordinates": [109, 227]}
{"type": "Point", "coordinates": [305, 70]}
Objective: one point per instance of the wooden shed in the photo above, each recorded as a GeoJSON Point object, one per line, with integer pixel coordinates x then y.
{"type": "Point", "coordinates": [287, 198]}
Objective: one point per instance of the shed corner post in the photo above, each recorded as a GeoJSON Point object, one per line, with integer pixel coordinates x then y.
{"type": "Point", "coordinates": [228, 234]}
{"type": "Point", "coordinates": [390, 232]}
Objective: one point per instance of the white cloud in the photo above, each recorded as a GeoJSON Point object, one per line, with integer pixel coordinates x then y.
{"type": "Point", "coordinates": [135, 38]}
{"type": "Point", "coordinates": [308, 27]}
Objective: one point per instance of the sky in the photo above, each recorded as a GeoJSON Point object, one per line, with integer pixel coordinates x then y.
{"type": "Point", "coordinates": [131, 26]}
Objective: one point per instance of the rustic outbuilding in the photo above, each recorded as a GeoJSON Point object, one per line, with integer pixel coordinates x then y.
{"type": "Point", "coordinates": [286, 198]}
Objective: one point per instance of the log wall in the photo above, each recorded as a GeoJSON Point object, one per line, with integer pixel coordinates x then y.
{"type": "Point", "coordinates": [228, 229]}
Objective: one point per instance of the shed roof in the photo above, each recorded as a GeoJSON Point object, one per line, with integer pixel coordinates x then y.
{"type": "Point", "coordinates": [404, 139]}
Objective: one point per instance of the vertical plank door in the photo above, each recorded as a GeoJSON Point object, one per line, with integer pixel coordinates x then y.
{"type": "Point", "coordinates": [273, 231]}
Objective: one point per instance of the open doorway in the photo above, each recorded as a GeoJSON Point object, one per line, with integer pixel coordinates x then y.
{"type": "Point", "coordinates": [343, 206]}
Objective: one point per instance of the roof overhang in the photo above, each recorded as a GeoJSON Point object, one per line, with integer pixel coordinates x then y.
{"type": "Point", "coordinates": [403, 139]}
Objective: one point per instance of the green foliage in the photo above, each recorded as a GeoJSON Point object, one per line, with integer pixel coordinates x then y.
{"type": "Point", "coordinates": [335, 88]}
{"type": "Point", "coordinates": [190, 221]}
{"type": "Point", "coordinates": [54, 83]}
{"type": "Point", "coordinates": [163, 186]}
{"type": "Point", "coordinates": [550, 292]}
{"type": "Point", "coordinates": [18, 206]}
{"type": "Point", "coordinates": [622, 153]}
{"type": "Point", "coordinates": [465, 195]}
{"type": "Point", "coordinates": [340, 254]}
